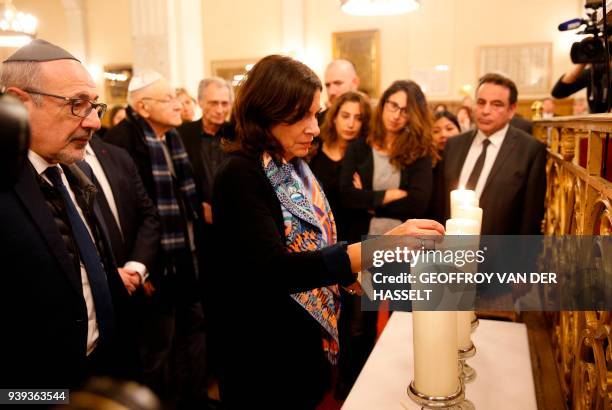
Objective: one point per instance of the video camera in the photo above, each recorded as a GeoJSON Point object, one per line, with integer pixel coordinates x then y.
{"type": "Point", "coordinates": [594, 50]}
{"type": "Point", "coordinates": [14, 139]}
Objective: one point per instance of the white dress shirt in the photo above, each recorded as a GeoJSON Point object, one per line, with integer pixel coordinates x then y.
{"type": "Point", "coordinates": [92, 160]}
{"type": "Point", "coordinates": [41, 165]}
{"type": "Point", "coordinates": [496, 140]}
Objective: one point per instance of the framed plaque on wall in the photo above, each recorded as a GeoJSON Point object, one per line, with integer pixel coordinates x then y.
{"type": "Point", "coordinates": [232, 70]}
{"type": "Point", "coordinates": [362, 48]}
{"type": "Point", "coordinates": [528, 65]}
{"type": "Point", "coordinates": [116, 81]}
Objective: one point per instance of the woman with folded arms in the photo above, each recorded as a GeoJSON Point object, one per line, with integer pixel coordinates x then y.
{"type": "Point", "coordinates": [347, 120]}
{"type": "Point", "coordinates": [387, 179]}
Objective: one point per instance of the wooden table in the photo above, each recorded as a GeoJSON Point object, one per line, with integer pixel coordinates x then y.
{"type": "Point", "coordinates": [502, 362]}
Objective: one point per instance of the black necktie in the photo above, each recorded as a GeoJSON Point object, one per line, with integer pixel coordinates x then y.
{"type": "Point", "coordinates": [473, 179]}
{"type": "Point", "coordinates": [90, 258]}
{"type": "Point", "coordinates": [114, 232]}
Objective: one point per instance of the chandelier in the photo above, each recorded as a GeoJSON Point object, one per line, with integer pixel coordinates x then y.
{"type": "Point", "coordinates": [378, 7]}
{"type": "Point", "coordinates": [16, 28]}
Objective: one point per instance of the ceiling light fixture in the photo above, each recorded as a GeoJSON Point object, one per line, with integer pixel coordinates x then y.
{"type": "Point", "coordinates": [16, 28]}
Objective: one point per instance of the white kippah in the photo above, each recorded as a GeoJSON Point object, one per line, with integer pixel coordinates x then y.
{"type": "Point", "coordinates": [143, 79]}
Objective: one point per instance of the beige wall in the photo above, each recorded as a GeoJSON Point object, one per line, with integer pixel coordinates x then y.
{"type": "Point", "coordinates": [52, 20]}
{"type": "Point", "coordinates": [107, 26]}
{"type": "Point", "coordinates": [109, 32]}
{"type": "Point", "coordinates": [446, 32]}
{"type": "Point", "coordinates": [240, 29]}
{"type": "Point", "coordinates": [441, 32]}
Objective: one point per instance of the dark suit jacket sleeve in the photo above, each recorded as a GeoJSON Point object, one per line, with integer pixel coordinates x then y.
{"type": "Point", "coordinates": [350, 196]}
{"type": "Point", "coordinates": [146, 243]}
{"type": "Point", "coordinates": [244, 208]}
{"type": "Point", "coordinates": [418, 183]}
{"type": "Point", "coordinates": [562, 90]}
{"type": "Point", "coordinates": [535, 191]}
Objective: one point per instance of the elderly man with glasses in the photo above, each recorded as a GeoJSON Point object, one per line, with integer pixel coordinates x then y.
{"type": "Point", "coordinates": [63, 306]}
{"type": "Point", "coordinates": [173, 345]}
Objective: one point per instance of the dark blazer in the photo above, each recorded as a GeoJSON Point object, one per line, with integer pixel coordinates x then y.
{"type": "Point", "coordinates": [42, 309]}
{"type": "Point", "coordinates": [129, 136]}
{"type": "Point", "coordinates": [205, 154]}
{"type": "Point", "coordinates": [269, 348]}
{"type": "Point", "coordinates": [137, 213]}
{"type": "Point", "coordinates": [513, 197]}
{"type": "Point", "coordinates": [416, 179]}
{"type": "Point", "coordinates": [522, 123]}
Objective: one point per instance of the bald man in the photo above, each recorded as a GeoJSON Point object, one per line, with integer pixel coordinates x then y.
{"type": "Point", "coordinates": [340, 77]}
{"type": "Point", "coordinates": [173, 347]}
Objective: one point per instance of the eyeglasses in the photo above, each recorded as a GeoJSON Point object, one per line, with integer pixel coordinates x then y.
{"type": "Point", "coordinates": [80, 107]}
{"type": "Point", "coordinates": [168, 100]}
{"type": "Point", "coordinates": [394, 107]}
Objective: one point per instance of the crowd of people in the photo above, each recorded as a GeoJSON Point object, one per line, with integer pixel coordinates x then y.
{"type": "Point", "coordinates": [223, 251]}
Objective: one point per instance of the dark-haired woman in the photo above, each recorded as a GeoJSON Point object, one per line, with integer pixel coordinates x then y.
{"type": "Point", "coordinates": [347, 120]}
{"type": "Point", "coordinates": [273, 300]}
{"type": "Point", "coordinates": [393, 164]}
{"type": "Point", "coordinates": [394, 171]}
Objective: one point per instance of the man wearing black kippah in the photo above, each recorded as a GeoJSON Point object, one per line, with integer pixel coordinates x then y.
{"type": "Point", "coordinates": [63, 307]}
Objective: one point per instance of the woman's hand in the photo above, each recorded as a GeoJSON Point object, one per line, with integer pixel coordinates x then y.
{"type": "Point", "coordinates": [420, 230]}
{"type": "Point", "coordinates": [393, 195]}
{"type": "Point", "coordinates": [423, 232]}
{"type": "Point", "coordinates": [418, 227]}
{"type": "Point", "coordinates": [357, 181]}
{"type": "Point", "coordinates": [354, 288]}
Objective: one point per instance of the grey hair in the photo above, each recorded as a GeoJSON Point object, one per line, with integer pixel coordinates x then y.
{"type": "Point", "coordinates": [221, 82]}
{"type": "Point", "coordinates": [23, 75]}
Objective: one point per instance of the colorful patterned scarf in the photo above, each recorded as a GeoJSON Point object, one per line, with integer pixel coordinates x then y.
{"type": "Point", "coordinates": [309, 225]}
{"type": "Point", "coordinates": [172, 222]}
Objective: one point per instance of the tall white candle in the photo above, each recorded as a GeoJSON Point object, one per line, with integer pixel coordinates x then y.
{"type": "Point", "coordinates": [469, 212]}
{"type": "Point", "coordinates": [468, 225]}
{"type": "Point", "coordinates": [461, 226]}
{"type": "Point", "coordinates": [462, 197]}
{"type": "Point", "coordinates": [435, 352]}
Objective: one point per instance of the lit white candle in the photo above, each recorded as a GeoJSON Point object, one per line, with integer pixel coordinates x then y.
{"type": "Point", "coordinates": [462, 197]}
{"type": "Point", "coordinates": [435, 352]}
{"type": "Point", "coordinates": [464, 329]}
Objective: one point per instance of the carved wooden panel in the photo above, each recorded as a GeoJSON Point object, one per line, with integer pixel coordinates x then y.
{"type": "Point", "coordinates": [579, 202]}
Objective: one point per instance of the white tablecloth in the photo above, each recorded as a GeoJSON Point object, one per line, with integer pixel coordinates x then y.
{"type": "Point", "coordinates": [504, 379]}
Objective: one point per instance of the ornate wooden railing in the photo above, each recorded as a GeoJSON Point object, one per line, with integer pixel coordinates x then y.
{"type": "Point", "coordinates": [579, 202]}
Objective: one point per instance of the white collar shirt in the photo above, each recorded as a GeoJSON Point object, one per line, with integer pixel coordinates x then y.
{"type": "Point", "coordinates": [496, 140]}
{"type": "Point", "coordinates": [93, 333]}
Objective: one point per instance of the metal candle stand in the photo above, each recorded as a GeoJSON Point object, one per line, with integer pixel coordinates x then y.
{"type": "Point", "coordinates": [466, 372]}
{"type": "Point", "coordinates": [453, 402]}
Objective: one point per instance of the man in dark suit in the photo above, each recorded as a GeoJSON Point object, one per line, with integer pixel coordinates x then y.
{"type": "Point", "coordinates": [202, 138]}
{"type": "Point", "coordinates": [63, 307]}
{"type": "Point", "coordinates": [130, 217]}
{"type": "Point", "coordinates": [504, 165]}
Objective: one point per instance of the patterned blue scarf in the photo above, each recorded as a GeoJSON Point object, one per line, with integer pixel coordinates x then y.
{"type": "Point", "coordinates": [172, 222]}
{"type": "Point", "coordinates": [309, 226]}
